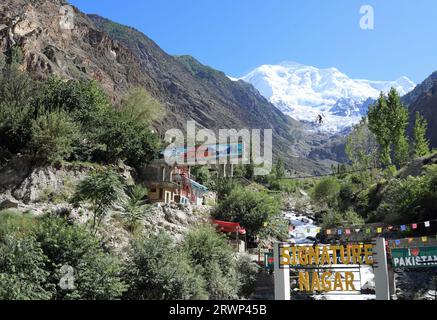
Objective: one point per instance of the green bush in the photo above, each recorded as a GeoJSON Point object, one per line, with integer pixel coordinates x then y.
{"type": "Point", "coordinates": [411, 199]}
{"type": "Point", "coordinates": [96, 272]}
{"type": "Point", "coordinates": [135, 208]}
{"type": "Point", "coordinates": [85, 101]}
{"type": "Point", "coordinates": [247, 276]}
{"type": "Point", "coordinates": [16, 113]}
{"type": "Point", "coordinates": [214, 259]}
{"type": "Point", "coordinates": [22, 270]}
{"type": "Point", "coordinates": [158, 271]}
{"type": "Point", "coordinates": [326, 191]}
{"type": "Point", "coordinates": [251, 209]}
{"type": "Point", "coordinates": [101, 189]}
{"type": "Point", "coordinates": [335, 219]}
{"type": "Point", "coordinates": [284, 185]}
{"type": "Point", "coordinates": [16, 224]}
{"type": "Point", "coordinates": [126, 139]}
{"type": "Point", "coordinates": [52, 137]}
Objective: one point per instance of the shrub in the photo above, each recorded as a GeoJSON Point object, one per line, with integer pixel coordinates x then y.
{"type": "Point", "coordinates": [22, 270]}
{"type": "Point", "coordinates": [16, 224]}
{"type": "Point", "coordinates": [287, 186]}
{"type": "Point", "coordinates": [85, 101]}
{"type": "Point", "coordinates": [16, 92]}
{"type": "Point", "coordinates": [223, 187]}
{"type": "Point", "coordinates": [101, 189]}
{"type": "Point", "coordinates": [247, 272]}
{"type": "Point", "coordinates": [52, 137]}
{"type": "Point", "coordinates": [251, 209]}
{"type": "Point", "coordinates": [335, 219]}
{"type": "Point", "coordinates": [135, 208]}
{"type": "Point", "coordinates": [411, 199]}
{"type": "Point", "coordinates": [158, 271]}
{"type": "Point", "coordinates": [96, 273]}
{"type": "Point", "coordinates": [213, 257]}
{"type": "Point", "coordinates": [326, 191]}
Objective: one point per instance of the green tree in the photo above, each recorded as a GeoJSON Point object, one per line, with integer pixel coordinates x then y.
{"type": "Point", "coordinates": [85, 101]}
{"type": "Point", "coordinates": [102, 190]}
{"type": "Point", "coordinates": [214, 259]}
{"type": "Point", "coordinates": [203, 175]}
{"type": "Point", "coordinates": [22, 270]}
{"type": "Point", "coordinates": [401, 151]}
{"type": "Point", "coordinates": [388, 120]}
{"type": "Point", "coordinates": [420, 146]}
{"type": "Point", "coordinates": [135, 207]}
{"type": "Point", "coordinates": [52, 137]}
{"type": "Point", "coordinates": [157, 270]}
{"type": "Point", "coordinates": [362, 147]}
{"type": "Point", "coordinates": [378, 115]}
{"type": "Point", "coordinates": [223, 187]}
{"type": "Point", "coordinates": [96, 273]}
{"type": "Point", "coordinates": [334, 219]}
{"type": "Point", "coordinates": [327, 191]}
{"type": "Point", "coordinates": [138, 106]}
{"type": "Point", "coordinates": [16, 114]}
{"type": "Point", "coordinates": [250, 208]}
{"type": "Point", "coordinates": [280, 169]}
{"type": "Point", "coordinates": [398, 122]}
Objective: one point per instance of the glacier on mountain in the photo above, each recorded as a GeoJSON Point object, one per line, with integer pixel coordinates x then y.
{"type": "Point", "coordinates": [305, 92]}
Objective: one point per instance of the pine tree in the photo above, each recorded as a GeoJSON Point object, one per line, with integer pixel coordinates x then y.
{"type": "Point", "coordinates": [420, 146]}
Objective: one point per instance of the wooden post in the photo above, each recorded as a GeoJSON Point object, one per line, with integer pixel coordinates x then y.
{"type": "Point", "coordinates": [281, 274]}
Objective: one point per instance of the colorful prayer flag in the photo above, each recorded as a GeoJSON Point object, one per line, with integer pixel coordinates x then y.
{"type": "Point", "coordinates": [340, 232]}
{"type": "Point", "coordinates": [398, 242]}
{"type": "Point", "coordinates": [379, 230]}
{"type": "Point", "coordinates": [410, 240]}
{"type": "Point", "coordinates": [414, 226]}
{"type": "Point", "coordinates": [348, 232]}
{"type": "Point", "coordinates": [424, 239]}
{"type": "Point", "coordinates": [357, 230]}
{"type": "Point", "coordinates": [328, 232]}
{"type": "Point", "coordinates": [368, 231]}
{"type": "Point", "coordinates": [428, 224]}
{"type": "Point", "coordinates": [403, 228]}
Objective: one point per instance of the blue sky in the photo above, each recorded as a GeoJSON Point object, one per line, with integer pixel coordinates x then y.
{"type": "Point", "coordinates": [236, 36]}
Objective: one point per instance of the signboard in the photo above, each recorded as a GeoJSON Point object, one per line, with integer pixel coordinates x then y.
{"type": "Point", "coordinates": [206, 153]}
{"type": "Point", "coordinates": [412, 258]}
{"type": "Point", "coordinates": [327, 268]}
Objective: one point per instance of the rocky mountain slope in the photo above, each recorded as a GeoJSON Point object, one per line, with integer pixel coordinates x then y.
{"type": "Point", "coordinates": [120, 57]}
{"type": "Point", "coordinates": [423, 99]}
{"type": "Point", "coordinates": [304, 92]}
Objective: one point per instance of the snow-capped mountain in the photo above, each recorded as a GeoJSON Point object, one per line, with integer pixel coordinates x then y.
{"type": "Point", "coordinates": [304, 92]}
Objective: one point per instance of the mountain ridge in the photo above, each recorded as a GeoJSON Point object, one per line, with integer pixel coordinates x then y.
{"type": "Point", "coordinates": [120, 57]}
{"type": "Point", "coordinates": [304, 92]}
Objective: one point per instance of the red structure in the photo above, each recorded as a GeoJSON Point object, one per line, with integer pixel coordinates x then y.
{"type": "Point", "coordinates": [231, 227]}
